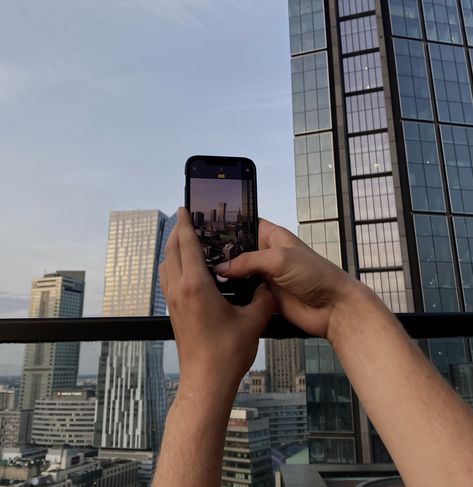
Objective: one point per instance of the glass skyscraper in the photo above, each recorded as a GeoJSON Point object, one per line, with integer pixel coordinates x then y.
{"type": "Point", "coordinates": [383, 138]}
{"type": "Point", "coordinates": [131, 393]}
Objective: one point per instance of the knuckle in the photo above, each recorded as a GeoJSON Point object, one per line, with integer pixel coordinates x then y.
{"type": "Point", "coordinates": [191, 286]}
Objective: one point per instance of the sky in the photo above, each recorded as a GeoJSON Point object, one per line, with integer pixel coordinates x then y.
{"type": "Point", "coordinates": [102, 102]}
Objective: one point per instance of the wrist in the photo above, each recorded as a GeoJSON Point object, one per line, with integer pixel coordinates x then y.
{"type": "Point", "coordinates": [357, 304]}
{"type": "Point", "coordinates": [207, 389]}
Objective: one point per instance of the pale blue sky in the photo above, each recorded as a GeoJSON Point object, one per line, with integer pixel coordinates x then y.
{"type": "Point", "coordinates": [101, 103]}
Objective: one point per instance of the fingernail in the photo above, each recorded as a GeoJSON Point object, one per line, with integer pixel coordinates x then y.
{"type": "Point", "coordinates": [221, 268]}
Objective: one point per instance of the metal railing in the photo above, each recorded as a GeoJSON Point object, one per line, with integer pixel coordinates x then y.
{"type": "Point", "coordinates": [23, 330]}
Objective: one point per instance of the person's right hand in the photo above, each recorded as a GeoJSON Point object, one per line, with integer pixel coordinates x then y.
{"type": "Point", "coordinates": [311, 291]}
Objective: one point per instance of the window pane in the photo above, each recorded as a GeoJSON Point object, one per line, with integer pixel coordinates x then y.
{"type": "Point", "coordinates": [451, 82]}
{"type": "Point", "coordinates": [423, 165]}
{"type": "Point", "coordinates": [405, 18]}
{"type": "Point", "coordinates": [436, 264]}
{"type": "Point", "coordinates": [441, 21]}
{"type": "Point", "coordinates": [412, 79]}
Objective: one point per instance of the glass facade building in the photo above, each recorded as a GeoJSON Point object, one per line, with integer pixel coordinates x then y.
{"type": "Point", "coordinates": [131, 392]}
{"type": "Point", "coordinates": [383, 144]}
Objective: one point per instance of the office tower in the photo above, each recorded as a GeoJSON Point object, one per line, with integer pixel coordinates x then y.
{"type": "Point", "coordinates": [247, 450]}
{"type": "Point", "coordinates": [213, 219]}
{"type": "Point", "coordinates": [383, 139]}
{"type": "Point", "coordinates": [286, 413]}
{"type": "Point", "coordinates": [51, 366]}
{"type": "Point", "coordinates": [198, 219]}
{"type": "Point", "coordinates": [131, 392]}
{"type": "Point", "coordinates": [66, 418]}
{"type": "Point", "coordinates": [284, 361]}
{"type": "Point", "coordinates": [221, 215]}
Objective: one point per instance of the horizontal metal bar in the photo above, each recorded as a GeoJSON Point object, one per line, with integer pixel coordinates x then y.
{"type": "Point", "coordinates": [425, 325]}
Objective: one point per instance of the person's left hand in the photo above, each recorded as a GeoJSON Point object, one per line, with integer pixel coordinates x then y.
{"type": "Point", "coordinates": [216, 341]}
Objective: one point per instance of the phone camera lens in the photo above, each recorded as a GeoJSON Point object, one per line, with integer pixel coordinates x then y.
{"type": "Point", "coordinates": [194, 168]}
{"type": "Point", "coordinates": [221, 169]}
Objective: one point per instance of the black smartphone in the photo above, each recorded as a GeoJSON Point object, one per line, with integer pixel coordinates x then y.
{"type": "Point", "coordinates": [221, 199]}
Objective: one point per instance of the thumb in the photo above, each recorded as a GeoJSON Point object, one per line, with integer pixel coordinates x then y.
{"type": "Point", "coordinates": [247, 264]}
{"type": "Point", "coordinates": [260, 310]}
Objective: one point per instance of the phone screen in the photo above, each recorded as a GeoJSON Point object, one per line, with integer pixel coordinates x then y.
{"type": "Point", "coordinates": [222, 211]}
{"type": "Point", "coordinates": [221, 198]}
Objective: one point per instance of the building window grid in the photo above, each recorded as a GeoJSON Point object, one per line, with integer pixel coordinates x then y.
{"type": "Point", "coordinates": [405, 20]}
{"type": "Point", "coordinates": [378, 245]}
{"type": "Point", "coordinates": [389, 286]}
{"type": "Point", "coordinates": [307, 26]}
{"type": "Point", "coordinates": [464, 244]}
{"type": "Point", "coordinates": [467, 11]}
{"type": "Point", "coordinates": [359, 34]}
{"type": "Point", "coordinates": [373, 198]}
{"type": "Point", "coordinates": [311, 93]}
{"type": "Point", "coordinates": [442, 22]}
{"type": "Point", "coordinates": [457, 146]}
{"type": "Point", "coordinates": [451, 83]}
{"type": "Point", "coordinates": [369, 154]}
{"type": "Point", "coordinates": [422, 159]}
{"type": "Point", "coordinates": [434, 251]}
{"type": "Point", "coordinates": [413, 84]}
{"type": "Point", "coordinates": [354, 7]}
{"type": "Point", "coordinates": [366, 112]}
{"type": "Point", "coordinates": [362, 72]}
{"type": "Point", "coordinates": [315, 177]}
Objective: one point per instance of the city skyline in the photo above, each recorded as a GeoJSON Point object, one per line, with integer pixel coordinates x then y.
{"type": "Point", "coordinates": [88, 113]}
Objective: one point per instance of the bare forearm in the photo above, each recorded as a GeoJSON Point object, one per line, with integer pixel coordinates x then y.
{"type": "Point", "coordinates": [427, 429]}
{"type": "Point", "coordinates": [192, 448]}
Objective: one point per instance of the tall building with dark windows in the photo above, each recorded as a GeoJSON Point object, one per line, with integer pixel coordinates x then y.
{"type": "Point", "coordinates": [131, 392]}
{"type": "Point", "coordinates": [383, 138]}
{"type": "Point", "coordinates": [51, 366]}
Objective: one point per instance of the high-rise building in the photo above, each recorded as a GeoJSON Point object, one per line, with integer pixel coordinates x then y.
{"type": "Point", "coordinates": [66, 418]}
{"type": "Point", "coordinates": [284, 361]}
{"type": "Point", "coordinates": [131, 391]}
{"type": "Point", "coordinates": [51, 366]}
{"type": "Point", "coordinates": [222, 215]}
{"type": "Point", "coordinates": [383, 139]}
{"type": "Point", "coordinates": [247, 450]}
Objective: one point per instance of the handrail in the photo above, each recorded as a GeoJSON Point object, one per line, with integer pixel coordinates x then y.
{"type": "Point", "coordinates": [29, 330]}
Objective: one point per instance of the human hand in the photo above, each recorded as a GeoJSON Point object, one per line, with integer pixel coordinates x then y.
{"type": "Point", "coordinates": [311, 291]}
{"type": "Point", "coordinates": [216, 341]}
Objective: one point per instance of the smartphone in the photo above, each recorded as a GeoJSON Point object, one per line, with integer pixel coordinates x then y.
{"type": "Point", "coordinates": [221, 199]}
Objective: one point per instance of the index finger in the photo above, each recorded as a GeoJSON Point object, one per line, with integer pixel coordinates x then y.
{"type": "Point", "coordinates": [192, 257]}
{"type": "Point", "coordinates": [271, 235]}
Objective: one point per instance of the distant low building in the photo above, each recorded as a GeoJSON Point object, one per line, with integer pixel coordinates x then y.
{"type": "Point", "coordinates": [287, 415]}
{"type": "Point", "coordinates": [145, 460]}
{"type": "Point", "coordinates": [66, 467]}
{"type": "Point", "coordinates": [67, 418]}
{"type": "Point", "coordinates": [7, 399]}
{"type": "Point", "coordinates": [258, 382]}
{"type": "Point", "coordinates": [9, 428]}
